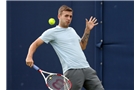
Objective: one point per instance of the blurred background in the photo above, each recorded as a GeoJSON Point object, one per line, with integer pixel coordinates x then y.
{"type": "Point", "coordinates": [110, 50]}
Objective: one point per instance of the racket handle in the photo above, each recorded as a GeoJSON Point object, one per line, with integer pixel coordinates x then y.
{"type": "Point", "coordinates": [35, 67]}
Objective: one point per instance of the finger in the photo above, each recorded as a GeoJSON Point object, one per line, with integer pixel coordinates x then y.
{"type": "Point", "coordinates": [28, 64]}
{"type": "Point", "coordinates": [31, 65]}
{"type": "Point", "coordinates": [86, 20]}
{"type": "Point", "coordinates": [94, 19]}
{"type": "Point", "coordinates": [91, 18]}
{"type": "Point", "coordinates": [96, 24]}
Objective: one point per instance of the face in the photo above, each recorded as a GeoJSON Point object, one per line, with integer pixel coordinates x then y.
{"type": "Point", "coordinates": [65, 19]}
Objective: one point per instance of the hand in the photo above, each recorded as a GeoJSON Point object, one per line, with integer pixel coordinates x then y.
{"type": "Point", "coordinates": [91, 23]}
{"type": "Point", "coordinates": [29, 62]}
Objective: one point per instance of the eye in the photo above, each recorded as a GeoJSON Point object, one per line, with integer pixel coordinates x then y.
{"type": "Point", "coordinates": [70, 16]}
{"type": "Point", "coordinates": [66, 15]}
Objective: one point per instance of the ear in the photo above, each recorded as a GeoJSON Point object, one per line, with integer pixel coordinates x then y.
{"type": "Point", "coordinates": [58, 16]}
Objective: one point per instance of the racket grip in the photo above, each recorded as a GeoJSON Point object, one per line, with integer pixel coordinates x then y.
{"type": "Point", "coordinates": [35, 67]}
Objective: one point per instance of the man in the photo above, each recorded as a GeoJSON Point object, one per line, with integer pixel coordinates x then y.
{"type": "Point", "coordinates": [69, 48]}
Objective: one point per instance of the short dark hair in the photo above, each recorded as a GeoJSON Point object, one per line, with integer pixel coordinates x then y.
{"type": "Point", "coordinates": [64, 8]}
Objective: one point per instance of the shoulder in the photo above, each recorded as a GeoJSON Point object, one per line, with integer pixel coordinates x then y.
{"type": "Point", "coordinates": [47, 32]}
{"type": "Point", "coordinates": [71, 28]}
{"type": "Point", "coordinates": [50, 30]}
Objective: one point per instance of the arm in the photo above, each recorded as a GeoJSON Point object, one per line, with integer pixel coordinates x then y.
{"type": "Point", "coordinates": [31, 50]}
{"type": "Point", "coordinates": [84, 39]}
{"type": "Point", "coordinates": [89, 26]}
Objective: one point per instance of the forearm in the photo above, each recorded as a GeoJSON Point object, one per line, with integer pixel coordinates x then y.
{"type": "Point", "coordinates": [31, 50]}
{"type": "Point", "coordinates": [33, 47]}
{"type": "Point", "coordinates": [85, 38]}
{"type": "Point", "coordinates": [89, 26]}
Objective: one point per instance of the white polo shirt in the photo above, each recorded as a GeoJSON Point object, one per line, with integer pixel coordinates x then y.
{"type": "Point", "coordinates": [66, 44]}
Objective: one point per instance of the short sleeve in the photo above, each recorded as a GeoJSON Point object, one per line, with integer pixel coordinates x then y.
{"type": "Point", "coordinates": [47, 36]}
{"type": "Point", "coordinates": [77, 35]}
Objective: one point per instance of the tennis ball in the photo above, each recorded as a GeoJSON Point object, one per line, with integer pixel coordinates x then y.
{"type": "Point", "coordinates": [51, 21]}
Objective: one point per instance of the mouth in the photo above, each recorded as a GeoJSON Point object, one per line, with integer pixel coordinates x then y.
{"type": "Point", "coordinates": [68, 22]}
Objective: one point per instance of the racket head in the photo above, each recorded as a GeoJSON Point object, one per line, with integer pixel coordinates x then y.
{"type": "Point", "coordinates": [58, 82]}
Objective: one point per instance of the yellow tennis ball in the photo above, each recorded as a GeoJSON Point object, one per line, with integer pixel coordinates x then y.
{"type": "Point", "coordinates": [51, 21]}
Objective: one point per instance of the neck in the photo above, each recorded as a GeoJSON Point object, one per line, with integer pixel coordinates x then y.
{"type": "Point", "coordinates": [62, 26]}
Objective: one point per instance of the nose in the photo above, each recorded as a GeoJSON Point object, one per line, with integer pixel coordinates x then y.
{"type": "Point", "coordinates": [69, 18]}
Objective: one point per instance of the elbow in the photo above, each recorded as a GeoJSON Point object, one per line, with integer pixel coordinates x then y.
{"type": "Point", "coordinates": [83, 47]}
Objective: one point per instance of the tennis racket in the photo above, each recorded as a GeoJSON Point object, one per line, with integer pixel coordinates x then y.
{"type": "Point", "coordinates": [55, 81]}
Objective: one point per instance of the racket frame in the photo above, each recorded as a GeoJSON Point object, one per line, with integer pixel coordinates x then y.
{"type": "Point", "coordinates": [50, 74]}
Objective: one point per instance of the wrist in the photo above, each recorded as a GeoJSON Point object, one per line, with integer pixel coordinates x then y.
{"type": "Point", "coordinates": [87, 30]}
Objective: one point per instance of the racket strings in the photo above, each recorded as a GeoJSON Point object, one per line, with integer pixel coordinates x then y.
{"type": "Point", "coordinates": [56, 82]}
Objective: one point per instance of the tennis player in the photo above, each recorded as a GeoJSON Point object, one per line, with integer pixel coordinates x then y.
{"type": "Point", "coordinates": [69, 48]}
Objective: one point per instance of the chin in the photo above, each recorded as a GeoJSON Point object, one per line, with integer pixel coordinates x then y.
{"type": "Point", "coordinates": [67, 25]}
